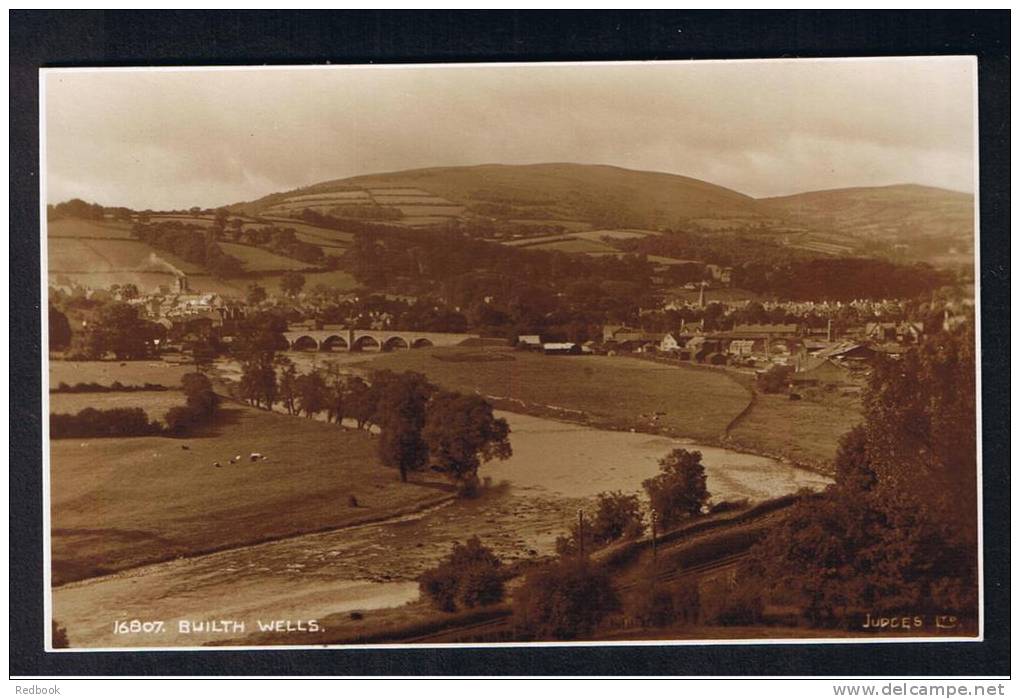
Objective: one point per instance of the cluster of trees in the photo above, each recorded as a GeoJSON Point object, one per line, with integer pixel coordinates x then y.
{"type": "Point", "coordinates": [116, 328]}
{"type": "Point", "coordinates": [191, 243]}
{"type": "Point", "coordinates": [762, 266]}
{"type": "Point", "coordinates": [76, 208]}
{"type": "Point", "coordinates": [898, 532]}
{"type": "Point", "coordinates": [349, 224]}
{"type": "Point", "coordinates": [200, 405]}
{"type": "Point", "coordinates": [279, 240]}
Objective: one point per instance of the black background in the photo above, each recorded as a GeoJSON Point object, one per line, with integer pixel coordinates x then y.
{"type": "Point", "coordinates": [50, 38]}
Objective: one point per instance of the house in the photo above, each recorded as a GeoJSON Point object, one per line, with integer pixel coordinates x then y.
{"type": "Point", "coordinates": [619, 333]}
{"type": "Point", "coordinates": [741, 348]}
{"type": "Point", "coordinates": [819, 371]}
{"type": "Point", "coordinates": [770, 330]}
{"type": "Point", "coordinates": [529, 341]}
{"type": "Point", "coordinates": [901, 332]}
{"type": "Point", "coordinates": [669, 343]}
{"type": "Point", "coordinates": [561, 348]}
{"type": "Point", "coordinates": [847, 352]}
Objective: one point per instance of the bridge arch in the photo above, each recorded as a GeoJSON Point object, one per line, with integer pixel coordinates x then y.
{"type": "Point", "coordinates": [334, 343]}
{"type": "Point", "coordinates": [421, 343]}
{"type": "Point", "coordinates": [304, 343]}
{"type": "Point", "coordinates": [366, 343]}
{"type": "Point", "coordinates": [395, 343]}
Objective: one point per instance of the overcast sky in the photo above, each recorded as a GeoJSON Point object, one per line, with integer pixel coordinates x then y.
{"type": "Point", "coordinates": [175, 139]}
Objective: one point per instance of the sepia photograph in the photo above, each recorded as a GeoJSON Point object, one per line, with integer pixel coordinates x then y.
{"type": "Point", "coordinates": [483, 354]}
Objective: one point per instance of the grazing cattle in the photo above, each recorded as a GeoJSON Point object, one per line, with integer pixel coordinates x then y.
{"type": "Point", "coordinates": [216, 464]}
{"type": "Point", "coordinates": [235, 459]}
{"type": "Point", "coordinates": [255, 456]}
{"type": "Point", "coordinates": [185, 446]}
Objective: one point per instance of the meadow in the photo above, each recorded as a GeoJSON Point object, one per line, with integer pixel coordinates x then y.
{"type": "Point", "coordinates": [120, 503]}
{"type": "Point", "coordinates": [803, 431]}
{"type": "Point", "coordinates": [155, 403]}
{"type": "Point", "coordinates": [258, 260]}
{"type": "Point", "coordinates": [613, 392]}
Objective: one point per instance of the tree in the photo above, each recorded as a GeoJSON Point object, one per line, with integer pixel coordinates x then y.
{"type": "Point", "coordinates": [288, 385]}
{"type": "Point", "coordinates": [462, 433]}
{"type": "Point", "coordinates": [256, 294]}
{"type": "Point", "coordinates": [616, 515]}
{"type": "Point", "coordinates": [471, 576]}
{"type": "Point", "coordinates": [292, 283]}
{"type": "Point", "coordinates": [312, 393]}
{"type": "Point", "coordinates": [361, 400]}
{"type": "Point", "coordinates": [400, 414]}
{"type": "Point", "coordinates": [679, 491]}
{"type": "Point", "coordinates": [564, 600]}
{"type": "Point", "coordinates": [60, 330]}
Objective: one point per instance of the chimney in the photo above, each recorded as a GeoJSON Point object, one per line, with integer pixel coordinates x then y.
{"type": "Point", "coordinates": [182, 283]}
{"type": "Point", "coordinates": [828, 332]}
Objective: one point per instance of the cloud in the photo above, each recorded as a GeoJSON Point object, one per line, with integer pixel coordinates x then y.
{"type": "Point", "coordinates": [174, 139]}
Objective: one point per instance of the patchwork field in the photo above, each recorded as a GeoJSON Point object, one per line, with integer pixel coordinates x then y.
{"type": "Point", "coordinates": [120, 503]}
{"type": "Point", "coordinates": [614, 391]}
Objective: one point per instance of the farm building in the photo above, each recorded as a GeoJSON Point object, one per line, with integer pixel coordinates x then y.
{"type": "Point", "coordinates": [561, 348]}
{"type": "Point", "coordinates": [529, 341]}
{"type": "Point", "coordinates": [820, 372]}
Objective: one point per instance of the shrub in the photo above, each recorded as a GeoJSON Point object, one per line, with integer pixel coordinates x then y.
{"type": "Point", "coordinates": [564, 600]}
{"type": "Point", "coordinates": [115, 422]}
{"type": "Point", "coordinates": [471, 576]}
{"type": "Point", "coordinates": [59, 636]}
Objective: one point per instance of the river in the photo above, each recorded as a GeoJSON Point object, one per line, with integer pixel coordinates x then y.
{"type": "Point", "coordinates": [532, 498]}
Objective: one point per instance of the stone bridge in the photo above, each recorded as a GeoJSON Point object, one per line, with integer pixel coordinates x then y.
{"type": "Point", "coordinates": [368, 340]}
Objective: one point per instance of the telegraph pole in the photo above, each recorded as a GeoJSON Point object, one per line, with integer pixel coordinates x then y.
{"type": "Point", "coordinates": [655, 547]}
{"type": "Point", "coordinates": [580, 531]}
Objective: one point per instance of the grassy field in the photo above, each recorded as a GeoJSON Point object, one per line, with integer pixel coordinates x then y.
{"type": "Point", "coordinates": [120, 503]}
{"type": "Point", "coordinates": [613, 391]}
{"type": "Point", "coordinates": [80, 228]}
{"type": "Point", "coordinates": [259, 260]}
{"type": "Point", "coordinates": [336, 279]}
{"type": "Point", "coordinates": [802, 431]}
{"type": "Point", "coordinates": [155, 403]}
{"type": "Point", "coordinates": [128, 373]}
{"type": "Point", "coordinates": [91, 255]}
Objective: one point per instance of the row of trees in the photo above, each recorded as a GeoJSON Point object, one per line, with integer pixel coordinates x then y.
{"type": "Point", "coordinates": [419, 424]}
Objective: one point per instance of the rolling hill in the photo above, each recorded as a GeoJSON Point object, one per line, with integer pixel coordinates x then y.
{"type": "Point", "coordinates": [925, 221]}
{"type": "Point", "coordinates": [594, 195]}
